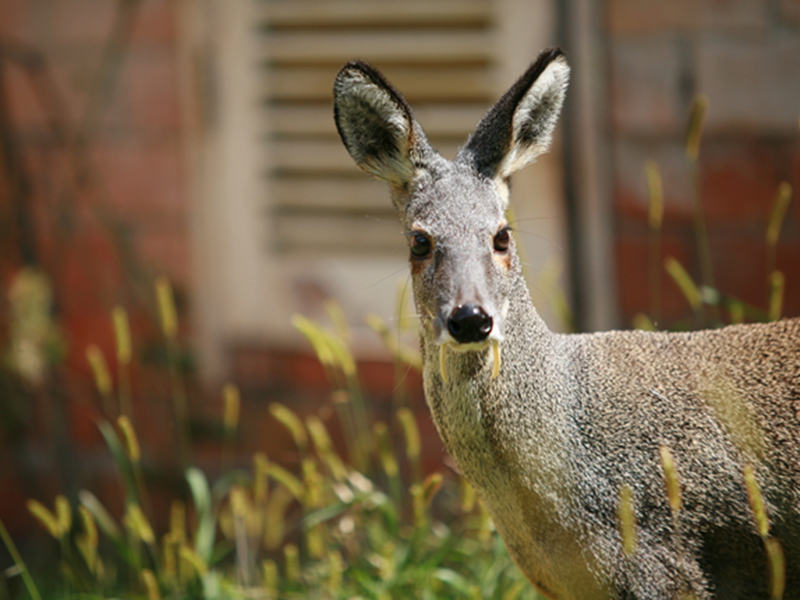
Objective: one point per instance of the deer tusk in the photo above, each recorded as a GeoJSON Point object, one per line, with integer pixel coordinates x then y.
{"type": "Point", "coordinates": [496, 356]}
{"type": "Point", "coordinates": [442, 364]}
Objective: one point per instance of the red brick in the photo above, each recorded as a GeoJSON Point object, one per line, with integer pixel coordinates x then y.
{"type": "Point", "coordinates": [156, 22]}
{"type": "Point", "coordinates": [787, 260]}
{"type": "Point", "coordinates": [141, 180]}
{"type": "Point", "coordinates": [631, 195]}
{"type": "Point", "coordinates": [165, 251]}
{"type": "Point", "coordinates": [792, 224]}
{"type": "Point", "coordinates": [25, 105]}
{"type": "Point", "coordinates": [752, 86]}
{"type": "Point", "coordinates": [631, 257]}
{"type": "Point", "coordinates": [739, 180]}
{"type": "Point", "coordinates": [739, 267]}
{"type": "Point", "coordinates": [790, 11]}
{"type": "Point", "coordinates": [652, 16]}
{"type": "Point", "coordinates": [11, 12]}
{"type": "Point", "coordinates": [70, 22]}
{"type": "Point", "coordinates": [645, 80]}
{"type": "Point", "coordinates": [146, 99]}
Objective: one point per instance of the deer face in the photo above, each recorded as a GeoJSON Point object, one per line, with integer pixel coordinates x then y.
{"type": "Point", "coordinates": [461, 252]}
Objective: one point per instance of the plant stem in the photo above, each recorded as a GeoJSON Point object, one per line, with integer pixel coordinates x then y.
{"type": "Point", "coordinates": [12, 550]}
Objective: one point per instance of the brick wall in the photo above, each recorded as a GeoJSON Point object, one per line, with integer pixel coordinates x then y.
{"type": "Point", "coordinates": [745, 58]}
{"type": "Point", "coordinates": [92, 160]}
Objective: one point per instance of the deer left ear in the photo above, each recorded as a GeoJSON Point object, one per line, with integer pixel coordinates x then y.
{"type": "Point", "coordinates": [520, 126]}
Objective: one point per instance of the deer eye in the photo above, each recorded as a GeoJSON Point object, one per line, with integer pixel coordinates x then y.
{"type": "Point", "coordinates": [421, 245]}
{"type": "Point", "coordinates": [502, 239]}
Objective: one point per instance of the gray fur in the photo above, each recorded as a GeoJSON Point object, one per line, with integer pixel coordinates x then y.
{"type": "Point", "coordinates": [570, 419]}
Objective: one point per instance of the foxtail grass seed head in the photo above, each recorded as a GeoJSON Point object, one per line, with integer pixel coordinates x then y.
{"type": "Point", "coordinates": [193, 560]}
{"type": "Point", "coordinates": [655, 194]}
{"type": "Point", "coordinates": [430, 487]}
{"type": "Point", "coordinates": [756, 500]}
{"type": "Point", "coordinates": [410, 432]}
{"type": "Point", "coordinates": [319, 434]}
{"type": "Point", "coordinates": [736, 312]}
{"type": "Point", "coordinates": [642, 322]}
{"type": "Point", "coordinates": [627, 520]}
{"type": "Point", "coordinates": [122, 335]}
{"type": "Point", "coordinates": [485, 525]}
{"type": "Point", "coordinates": [291, 558]}
{"type": "Point", "coordinates": [97, 362]}
{"type": "Point", "coordinates": [288, 480]}
{"type": "Point", "coordinates": [132, 447]}
{"type": "Point", "coordinates": [388, 461]}
{"type": "Point", "coordinates": [167, 314]}
{"type": "Point", "coordinates": [177, 520]}
{"type": "Point", "coordinates": [260, 474]}
{"type": "Point", "coordinates": [89, 527]}
{"type": "Point", "coordinates": [467, 493]}
{"type": "Point", "coordinates": [776, 563]}
{"type": "Point", "coordinates": [495, 359]}
{"type": "Point", "coordinates": [777, 284]}
{"type": "Point", "coordinates": [335, 570]}
{"type": "Point", "coordinates": [270, 577]}
{"type": "Point", "coordinates": [671, 481]}
{"type": "Point", "coordinates": [138, 524]}
{"type": "Point", "coordinates": [169, 549]}
{"type": "Point", "coordinates": [63, 514]}
{"type": "Point", "coordinates": [778, 213]}
{"type": "Point", "coordinates": [684, 283]}
{"type": "Point", "coordinates": [292, 422]}
{"type": "Point", "coordinates": [231, 407]}
{"type": "Point", "coordinates": [238, 502]}
{"type": "Point", "coordinates": [150, 584]}
{"type": "Point", "coordinates": [418, 505]}
{"type": "Point", "coordinates": [316, 337]}
{"type": "Point", "coordinates": [443, 362]}
{"type": "Point", "coordinates": [315, 541]}
{"type": "Point", "coordinates": [312, 481]}
{"type": "Point", "coordinates": [697, 117]}
{"type": "Point", "coordinates": [337, 317]}
{"type": "Point", "coordinates": [46, 519]}
{"type": "Point", "coordinates": [344, 358]}
{"type": "Point", "coordinates": [274, 527]}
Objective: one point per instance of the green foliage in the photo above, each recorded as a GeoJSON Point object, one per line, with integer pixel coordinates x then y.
{"type": "Point", "coordinates": [366, 524]}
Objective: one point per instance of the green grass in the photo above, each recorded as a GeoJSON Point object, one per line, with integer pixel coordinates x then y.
{"type": "Point", "coordinates": [361, 522]}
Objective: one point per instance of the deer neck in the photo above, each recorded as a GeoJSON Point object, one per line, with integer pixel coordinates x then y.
{"type": "Point", "coordinates": [467, 393]}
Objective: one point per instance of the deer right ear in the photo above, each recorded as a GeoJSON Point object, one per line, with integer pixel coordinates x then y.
{"type": "Point", "coordinates": [376, 125]}
{"type": "Point", "coordinates": [520, 126]}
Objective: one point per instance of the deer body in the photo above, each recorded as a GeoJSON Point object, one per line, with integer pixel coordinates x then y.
{"type": "Point", "coordinates": [549, 427]}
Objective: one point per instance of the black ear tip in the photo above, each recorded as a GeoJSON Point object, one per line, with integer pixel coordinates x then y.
{"type": "Point", "coordinates": [550, 55]}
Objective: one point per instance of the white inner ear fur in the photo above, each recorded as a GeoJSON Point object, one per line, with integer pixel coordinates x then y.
{"type": "Point", "coordinates": [550, 87]}
{"type": "Point", "coordinates": [396, 168]}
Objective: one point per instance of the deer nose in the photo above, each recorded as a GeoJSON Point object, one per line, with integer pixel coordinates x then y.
{"type": "Point", "coordinates": [469, 323]}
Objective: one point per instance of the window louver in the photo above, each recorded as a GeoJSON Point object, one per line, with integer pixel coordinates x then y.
{"type": "Point", "coordinates": [439, 53]}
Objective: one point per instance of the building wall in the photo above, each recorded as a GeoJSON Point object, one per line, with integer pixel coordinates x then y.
{"type": "Point", "coordinates": [92, 160]}
{"type": "Point", "coordinates": [744, 57]}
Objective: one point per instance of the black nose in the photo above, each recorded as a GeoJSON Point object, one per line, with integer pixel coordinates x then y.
{"type": "Point", "coordinates": [469, 323]}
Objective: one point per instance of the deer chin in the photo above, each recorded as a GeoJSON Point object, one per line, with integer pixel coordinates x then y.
{"type": "Point", "coordinates": [492, 343]}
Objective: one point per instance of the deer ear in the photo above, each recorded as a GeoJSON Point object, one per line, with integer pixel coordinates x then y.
{"type": "Point", "coordinates": [520, 126]}
{"type": "Point", "coordinates": [376, 124]}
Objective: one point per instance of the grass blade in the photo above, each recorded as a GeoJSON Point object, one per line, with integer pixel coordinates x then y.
{"type": "Point", "coordinates": [206, 524]}
{"type": "Point", "coordinates": [15, 556]}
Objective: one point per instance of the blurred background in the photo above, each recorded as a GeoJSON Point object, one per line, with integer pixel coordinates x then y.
{"type": "Point", "coordinates": [183, 153]}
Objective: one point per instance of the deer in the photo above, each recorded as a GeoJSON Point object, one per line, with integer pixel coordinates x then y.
{"type": "Point", "coordinates": [701, 428]}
